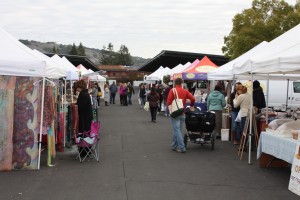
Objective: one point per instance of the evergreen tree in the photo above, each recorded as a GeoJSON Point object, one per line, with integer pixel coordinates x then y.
{"type": "Point", "coordinates": [124, 57]}
{"type": "Point", "coordinates": [264, 21]}
{"type": "Point", "coordinates": [108, 55]}
{"type": "Point", "coordinates": [81, 50]}
{"type": "Point", "coordinates": [55, 50]}
{"type": "Point", "coordinates": [73, 50]}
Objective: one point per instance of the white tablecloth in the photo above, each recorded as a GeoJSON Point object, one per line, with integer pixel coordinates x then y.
{"type": "Point", "coordinates": [277, 146]}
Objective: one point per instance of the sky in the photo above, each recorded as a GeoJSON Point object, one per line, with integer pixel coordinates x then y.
{"type": "Point", "coordinates": [146, 27]}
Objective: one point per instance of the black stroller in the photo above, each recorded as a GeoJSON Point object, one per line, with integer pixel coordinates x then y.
{"type": "Point", "coordinates": [200, 127]}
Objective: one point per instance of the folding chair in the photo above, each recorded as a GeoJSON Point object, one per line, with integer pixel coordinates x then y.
{"type": "Point", "coordinates": [87, 143]}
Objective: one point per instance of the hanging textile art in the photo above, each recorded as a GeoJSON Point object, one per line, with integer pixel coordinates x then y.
{"type": "Point", "coordinates": [25, 133]}
{"type": "Point", "coordinates": [7, 87]}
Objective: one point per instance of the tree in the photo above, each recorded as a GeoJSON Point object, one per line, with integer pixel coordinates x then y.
{"type": "Point", "coordinates": [124, 57]}
{"type": "Point", "coordinates": [81, 50]}
{"type": "Point", "coordinates": [73, 50]}
{"type": "Point", "coordinates": [108, 55]}
{"type": "Point", "coordinates": [264, 21]}
{"type": "Point", "coordinates": [55, 50]}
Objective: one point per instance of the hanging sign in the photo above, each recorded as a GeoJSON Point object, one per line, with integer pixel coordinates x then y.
{"type": "Point", "coordinates": [294, 184]}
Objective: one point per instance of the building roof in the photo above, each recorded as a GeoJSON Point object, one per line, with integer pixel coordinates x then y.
{"type": "Point", "coordinates": [116, 68]}
{"type": "Point", "coordinates": [173, 58]}
{"type": "Point", "coordinates": [77, 60]}
{"type": "Point", "coordinates": [112, 67]}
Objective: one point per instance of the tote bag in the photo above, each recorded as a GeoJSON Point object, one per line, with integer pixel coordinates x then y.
{"type": "Point", "coordinates": [176, 108]}
{"type": "Point", "coordinates": [146, 106]}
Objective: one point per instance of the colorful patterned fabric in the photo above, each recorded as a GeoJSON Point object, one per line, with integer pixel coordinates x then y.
{"type": "Point", "coordinates": [7, 86]}
{"type": "Point", "coordinates": [25, 133]}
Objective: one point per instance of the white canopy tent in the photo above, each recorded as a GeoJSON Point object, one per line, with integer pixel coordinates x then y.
{"type": "Point", "coordinates": [97, 78]}
{"type": "Point", "coordinates": [53, 69]}
{"type": "Point", "coordinates": [273, 59]}
{"type": "Point", "coordinates": [268, 61]}
{"type": "Point", "coordinates": [72, 73]}
{"type": "Point", "coordinates": [225, 72]}
{"type": "Point", "coordinates": [179, 68]}
{"type": "Point", "coordinates": [16, 59]}
{"type": "Point", "coordinates": [158, 74]}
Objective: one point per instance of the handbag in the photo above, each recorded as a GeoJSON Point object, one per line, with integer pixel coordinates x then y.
{"type": "Point", "coordinates": [176, 108]}
{"type": "Point", "coordinates": [146, 106]}
{"type": "Point", "coordinates": [99, 94]}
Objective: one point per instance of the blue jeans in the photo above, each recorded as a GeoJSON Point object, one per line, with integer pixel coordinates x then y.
{"type": "Point", "coordinates": [112, 98]}
{"type": "Point", "coordinates": [95, 102]}
{"type": "Point", "coordinates": [177, 124]}
{"type": "Point", "coordinates": [235, 126]}
{"type": "Point", "coordinates": [143, 101]}
{"type": "Point", "coordinates": [166, 108]}
{"type": "Point", "coordinates": [129, 98]}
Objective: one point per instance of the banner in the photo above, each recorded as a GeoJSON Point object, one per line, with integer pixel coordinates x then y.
{"type": "Point", "coordinates": [294, 184]}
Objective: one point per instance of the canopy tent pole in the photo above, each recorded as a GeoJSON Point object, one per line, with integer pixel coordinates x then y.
{"type": "Point", "coordinates": [287, 94]}
{"type": "Point", "coordinates": [267, 112]}
{"type": "Point", "coordinates": [41, 123]}
{"type": "Point", "coordinates": [251, 121]}
{"type": "Point", "coordinates": [65, 102]}
{"type": "Point", "coordinates": [71, 82]}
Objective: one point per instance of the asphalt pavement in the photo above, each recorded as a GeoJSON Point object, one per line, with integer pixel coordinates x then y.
{"type": "Point", "coordinates": [136, 163]}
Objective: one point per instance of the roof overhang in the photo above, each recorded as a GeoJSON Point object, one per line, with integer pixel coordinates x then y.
{"type": "Point", "coordinates": [173, 58]}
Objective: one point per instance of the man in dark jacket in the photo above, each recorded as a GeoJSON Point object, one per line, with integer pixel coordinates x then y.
{"type": "Point", "coordinates": [113, 89]}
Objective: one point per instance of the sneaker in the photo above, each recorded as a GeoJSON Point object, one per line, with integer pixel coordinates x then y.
{"type": "Point", "coordinates": [174, 149]}
{"type": "Point", "coordinates": [181, 151]}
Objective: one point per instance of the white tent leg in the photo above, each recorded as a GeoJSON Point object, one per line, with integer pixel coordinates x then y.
{"type": "Point", "coordinates": [267, 113]}
{"type": "Point", "coordinates": [65, 102]}
{"type": "Point", "coordinates": [71, 91]}
{"type": "Point", "coordinates": [41, 123]}
{"type": "Point", "coordinates": [250, 126]}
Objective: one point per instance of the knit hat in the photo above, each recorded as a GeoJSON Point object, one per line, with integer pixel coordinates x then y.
{"type": "Point", "coordinates": [256, 84]}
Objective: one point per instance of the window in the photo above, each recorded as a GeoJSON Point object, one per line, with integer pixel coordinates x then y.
{"type": "Point", "coordinates": [296, 86]}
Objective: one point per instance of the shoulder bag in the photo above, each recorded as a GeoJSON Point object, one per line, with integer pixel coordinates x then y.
{"type": "Point", "coordinates": [176, 108]}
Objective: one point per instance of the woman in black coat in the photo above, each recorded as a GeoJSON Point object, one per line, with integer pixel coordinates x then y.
{"type": "Point", "coordinates": [153, 98]}
{"type": "Point", "coordinates": [85, 112]}
{"type": "Point", "coordinates": [258, 96]}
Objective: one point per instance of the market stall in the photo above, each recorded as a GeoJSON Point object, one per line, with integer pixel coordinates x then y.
{"type": "Point", "coordinates": [280, 56]}
{"type": "Point", "coordinates": [23, 79]}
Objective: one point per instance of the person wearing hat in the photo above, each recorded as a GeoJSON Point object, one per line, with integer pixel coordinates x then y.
{"type": "Point", "coordinates": [259, 102]}
{"type": "Point", "coordinates": [258, 96]}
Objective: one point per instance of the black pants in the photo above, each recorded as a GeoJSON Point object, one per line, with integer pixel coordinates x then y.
{"type": "Point", "coordinates": [153, 111]}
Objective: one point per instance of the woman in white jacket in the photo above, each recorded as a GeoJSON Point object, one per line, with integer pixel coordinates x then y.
{"type": "Point", "coordinates": [242, 99]}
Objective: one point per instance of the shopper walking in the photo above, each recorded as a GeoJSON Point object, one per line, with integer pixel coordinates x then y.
{"type": "Point", "coordinates": [94, 94]}
{"type": "Point", "coordinates": [177, 122]}
{"type": "Point", "coordinates": [142, 95]}
{"type": "Point", "coordinates": [216, 102]}
{"type": "Point", "coordinates": [160, 93]}
{"type": "Point", "coordinates": [113, 89]}
{"type": "Point", "coordinates": [106, 95]}
{"type": "Point", "coordinates": [130, 91]}
{"type": "Point", "coordinates": [153, 99]}
{"type": "Point", "coordinates": [99, 94]}
{"type": "Point", "coordinates": [121, 93]}
{"type": "Point", "coordinates": [165, 96]}
{"type": "Point", "coordinates": [125, 91]}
